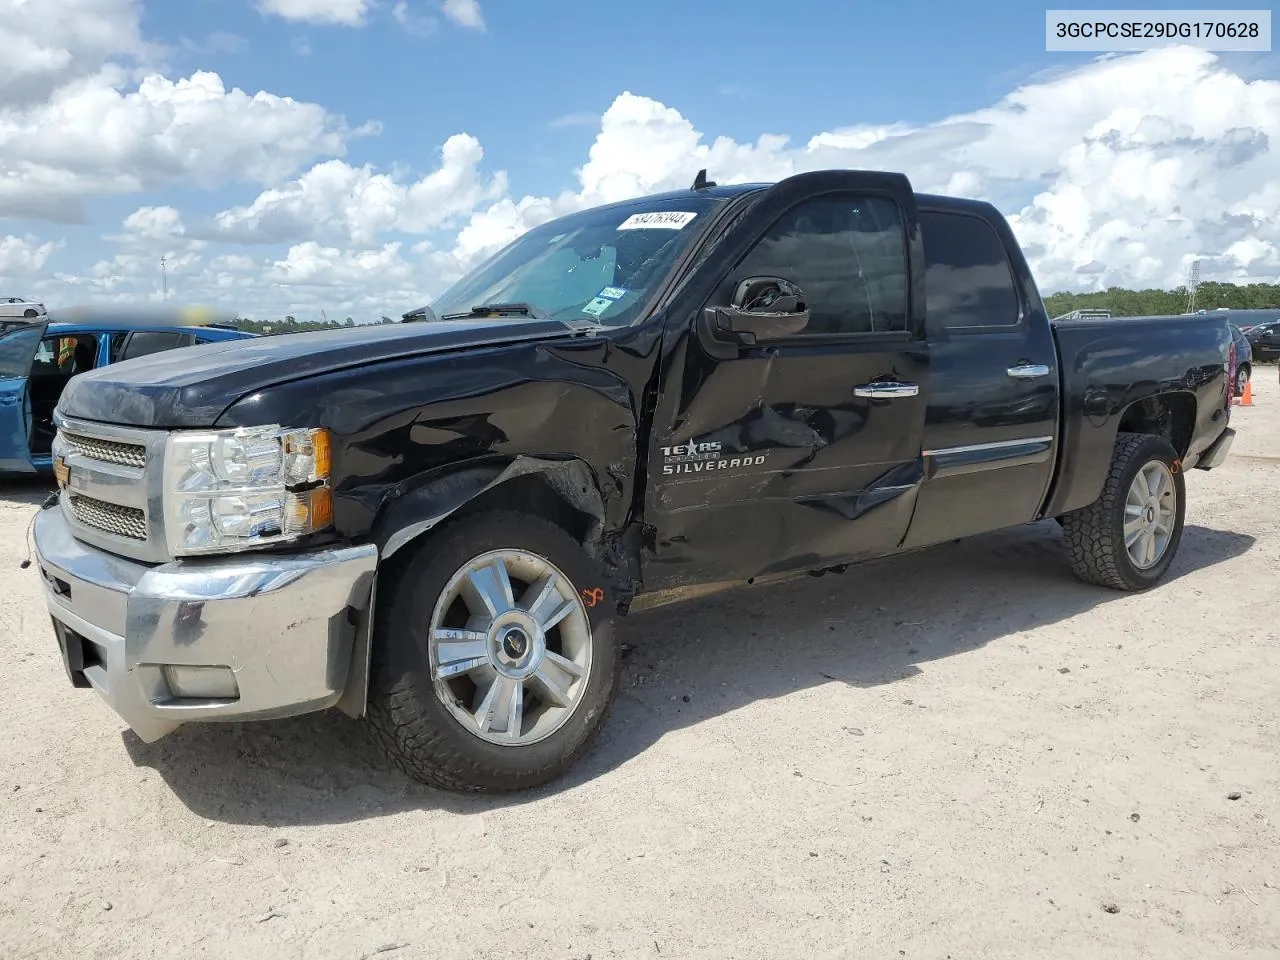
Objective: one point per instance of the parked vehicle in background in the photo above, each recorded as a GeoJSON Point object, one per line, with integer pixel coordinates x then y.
{"type": "Point", "coordinates": [629, 406]}
{"type": "Point", "coordinates": [1244, 358]}
{"type": "Point", "coordinates": [39, 359]}
{"type": "Point", "coordinates": [1085, 314]}
{"type": "Point", "coordinates": [1264, 340]}
{"type": "Point", "coordinates": [16, 309]}
{"type": "Point", "coordinates": [1247, 320]}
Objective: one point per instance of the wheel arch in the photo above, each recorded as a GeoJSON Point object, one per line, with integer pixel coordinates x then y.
{"type": "Point", "coordinates": [565, 491]}
{"type": "Point", "coordinates": [1090, 441]}
{"type": "Point", "coordinates": [1169, 415]}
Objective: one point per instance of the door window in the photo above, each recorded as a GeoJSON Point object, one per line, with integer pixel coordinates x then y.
{"type": "Point", "coordinates": [847, 253]}
{"type": "Point", "coordinates": [16, 350]}
{"type": "Point", "coordinates": [145, 342]}
{"type": "Point", "coordinates": [66, 355]}
{"type": "Point", "coordinates": [968, 279]}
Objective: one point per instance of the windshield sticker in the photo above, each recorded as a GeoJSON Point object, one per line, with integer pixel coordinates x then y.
{"type": "Point", "coordinates": [661, 220]}
{"type": "Point", "coordinates": [612, 293]}
{"type": "Point", "coordinates": [597, 306]}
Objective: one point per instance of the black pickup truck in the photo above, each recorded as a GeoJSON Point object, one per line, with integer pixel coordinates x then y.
{"type": "Point", "coordinates": [433, 524]}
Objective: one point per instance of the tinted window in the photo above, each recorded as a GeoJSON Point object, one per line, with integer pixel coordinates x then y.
{"type": "Point", "coordinates": [146, 342]}
{"type": "Point", "coordinates": [968, 280]}
{"type": "Point", "coordinates": [847, 254]}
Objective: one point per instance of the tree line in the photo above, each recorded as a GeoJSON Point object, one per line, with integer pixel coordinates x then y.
{"type": "Point", "coordinates": [291, 324]}
{"type": "Point", "coordinates": [1121, 301]}
{"type": "Point", "coordinates": [1138, 303]}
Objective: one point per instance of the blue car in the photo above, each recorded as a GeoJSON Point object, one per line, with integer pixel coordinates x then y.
{"type": "Point", "coordinates": [39, 357]}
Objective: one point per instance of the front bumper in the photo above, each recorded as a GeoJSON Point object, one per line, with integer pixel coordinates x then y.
{"type": "Point", "coordinates": [278, 631]}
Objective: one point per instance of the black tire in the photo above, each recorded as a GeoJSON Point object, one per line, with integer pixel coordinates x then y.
{"type": "Point", "coordinates": [30, 314]}
{"type": "Point", "coordinates": [1094, 535]}
{"type": "Point", "coordinates": [407, 718]}
{"type": "Point", "coordinates": [1242, 377]}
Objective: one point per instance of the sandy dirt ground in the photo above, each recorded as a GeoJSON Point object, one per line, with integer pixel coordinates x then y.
{"type": "Point", "coordinates": [963, 753]}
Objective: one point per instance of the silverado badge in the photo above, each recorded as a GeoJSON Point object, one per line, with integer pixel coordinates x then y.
{"type": "Point", "coordinates": [61, 473]}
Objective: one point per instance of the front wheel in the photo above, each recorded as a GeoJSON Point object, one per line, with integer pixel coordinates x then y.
{"type": "Point", "coordinates": [1127, 538]}
{"type": "Point", "coordinates": [494, 661]}
{"type": "Point", "coordinates": [1242, 377]}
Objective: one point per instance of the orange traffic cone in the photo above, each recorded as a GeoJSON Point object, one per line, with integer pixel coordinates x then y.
{"type": "Point", "coordinates": [1246, 400]}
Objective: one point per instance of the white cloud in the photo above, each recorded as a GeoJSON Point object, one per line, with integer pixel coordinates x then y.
{"type": "Point", "coordinates": [1118, 172]}
{"type": "Point", "coordinates": [154, 223]}
{"type": "Point", "coordinates": [48, 43]}
{"type": "Point", "coordinates": [355, 204]}
{"type": "Point", "coordinates": [311, 265]}
{"type": "Point", "coordinates": [348, 13]}
{"type": "Point", "coordinates": [23, 256]}
{"type": "Point", "coordinates": [465, 13]}
{"type": "Point", "coordinates": [91, 139]}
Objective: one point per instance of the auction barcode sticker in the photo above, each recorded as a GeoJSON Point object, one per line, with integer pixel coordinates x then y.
{"type": "Point", "coordinates": [1117, 31]}
{"type": "Point", "coordinates": [660, 220]}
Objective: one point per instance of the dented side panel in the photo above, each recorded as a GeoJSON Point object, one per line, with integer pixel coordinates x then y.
{"type": "Point", "coordinates": [773, 453]}
{"type": "Point", "coordinates": [414, 439]}
{"type": "Point", "coordinates": [764, 460]}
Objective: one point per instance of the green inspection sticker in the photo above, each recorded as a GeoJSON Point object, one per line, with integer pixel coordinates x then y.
{"type": "Point", "coordinates": [597, 306]}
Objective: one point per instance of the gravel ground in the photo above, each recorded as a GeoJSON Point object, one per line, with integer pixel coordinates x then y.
{"type": "Point", "coordinates": [963, 753]}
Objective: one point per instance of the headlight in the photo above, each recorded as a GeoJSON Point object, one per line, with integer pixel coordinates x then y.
{"type": "Point", "coordinates": [230, 490]}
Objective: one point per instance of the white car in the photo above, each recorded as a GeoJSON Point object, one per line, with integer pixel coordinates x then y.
{"type": "Point", "coordinates": [15, 308]}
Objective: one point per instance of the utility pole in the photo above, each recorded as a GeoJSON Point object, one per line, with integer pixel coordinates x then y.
{"type": "Point", "coordinates": [164, 274]}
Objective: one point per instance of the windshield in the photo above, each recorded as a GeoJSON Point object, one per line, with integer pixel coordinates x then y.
{"type": "Point", "coordinates": [597, 266]}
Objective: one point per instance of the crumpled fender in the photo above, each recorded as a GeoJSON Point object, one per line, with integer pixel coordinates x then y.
{"type": "Point", "coordinates": [413, 515]}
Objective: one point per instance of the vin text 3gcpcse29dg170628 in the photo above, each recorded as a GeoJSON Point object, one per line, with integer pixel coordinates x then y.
{"type": "Point", "coordinates": [432, 525]}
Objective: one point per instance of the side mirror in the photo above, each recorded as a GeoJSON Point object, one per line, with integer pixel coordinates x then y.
{"type": "Point", "coordinates": [762, 308]}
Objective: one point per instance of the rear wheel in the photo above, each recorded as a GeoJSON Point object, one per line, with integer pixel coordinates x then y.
{"type": "Point", "coordinates": [1242, 377]}
{"type": "Point", "coordinates": [494, 660]}
{"type": "Point", "coordinates": [1127, 538]}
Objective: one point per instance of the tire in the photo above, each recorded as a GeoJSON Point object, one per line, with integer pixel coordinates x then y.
{"type": "Point", "coordinates": [30, 314]}
{"type": "Point", "coordinates": [444, 745]}
{"type": "Point", "coordinates": [1242, 377]}
{"type": "Point", "coordinates": [1095, 535]}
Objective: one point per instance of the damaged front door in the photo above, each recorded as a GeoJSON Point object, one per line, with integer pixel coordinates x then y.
{"type": "Point", "coordinates": [793, 440]}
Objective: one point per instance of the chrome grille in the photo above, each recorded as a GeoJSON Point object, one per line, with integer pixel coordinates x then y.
{"type": "Point", "coordinates": [108, 451]}
{"type": "Point", "coordinates": [122, 521]}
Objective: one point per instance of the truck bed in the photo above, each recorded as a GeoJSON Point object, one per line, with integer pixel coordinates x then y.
{"type": "Point", "coordinates": [1108, 365]}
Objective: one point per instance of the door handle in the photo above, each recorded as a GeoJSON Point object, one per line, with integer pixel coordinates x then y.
{"type": "Point", "coordinates": [1028, 371]}
{"type": "Point", "coordinates": [887, 388]}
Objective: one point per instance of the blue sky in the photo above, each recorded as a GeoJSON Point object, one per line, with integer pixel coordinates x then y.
{"type": "Point", "coordinates": [959, 97]}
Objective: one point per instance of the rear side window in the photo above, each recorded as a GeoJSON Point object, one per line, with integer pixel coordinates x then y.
{"type": "Point", "coordinates": [146, 342]}
{"type": "Point", "coordinates": [968, 279]}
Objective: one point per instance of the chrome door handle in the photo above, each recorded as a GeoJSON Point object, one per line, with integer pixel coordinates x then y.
{"type": "Point", "coordinates": [887, 388]}
{"type": "Point", "coordinates": [1028, 371]}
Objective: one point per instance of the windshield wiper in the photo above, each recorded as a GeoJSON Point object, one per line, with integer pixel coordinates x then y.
{"type": "Point", "coordinates": [499, 309]}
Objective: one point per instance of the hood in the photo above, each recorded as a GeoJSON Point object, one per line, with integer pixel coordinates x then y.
{"type": "Point", "coordinates": [191, 386]}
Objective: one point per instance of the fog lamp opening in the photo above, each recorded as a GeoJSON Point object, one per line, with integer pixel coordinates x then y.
{"type": "Point", "coordinates": [201, 683]}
